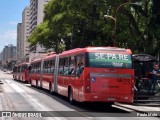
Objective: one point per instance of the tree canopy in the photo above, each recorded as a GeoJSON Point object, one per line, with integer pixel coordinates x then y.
{"type": "Point", "coordinates": [79, 23]}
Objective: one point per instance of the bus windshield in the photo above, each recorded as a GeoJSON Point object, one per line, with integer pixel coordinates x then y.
{"type": "Point", "coordinates": [109, 60]}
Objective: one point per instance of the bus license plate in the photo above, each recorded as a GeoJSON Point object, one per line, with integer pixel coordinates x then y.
{"type": "Point", "coordinates": [111, 98]}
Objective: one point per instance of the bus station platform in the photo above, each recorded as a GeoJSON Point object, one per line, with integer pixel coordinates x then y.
{"type": "Point", "coordinates": [146, 107]}
{"type": "Point", "coordinates": [150, 105]}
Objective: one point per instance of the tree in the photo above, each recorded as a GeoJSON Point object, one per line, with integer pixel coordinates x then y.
{"type": "Point", "coordinates": [70, 24]}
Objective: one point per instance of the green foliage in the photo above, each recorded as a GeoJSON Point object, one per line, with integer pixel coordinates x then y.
{"type": "Point", "coordinates": [79, 23]}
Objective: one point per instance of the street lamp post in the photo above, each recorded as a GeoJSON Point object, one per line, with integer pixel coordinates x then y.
{"type": "Point", "coordinates": [115, 18]}
{"type": "Point", "coordinates": [115, 22]}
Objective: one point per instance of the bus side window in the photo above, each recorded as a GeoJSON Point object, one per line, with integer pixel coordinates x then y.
{"type": "Point", "coordinates": [52, 70]}
{"type": "Point", "coordinates": [61, 65]}
{"type": "Point", "coordinates": [44, 67]}
{"type": "Point", "coordinates": [29, 68]}
{"type": "Point", "coordinates": [70, 71]}
{"type": "Point", "coordinates": [66, 66]}
{"type": "Point", "coordinates": [72, 67]}
{"type": "Point", "coordinates": [80, 62]}
{"type": "Point", "coordinates": [52, 66]}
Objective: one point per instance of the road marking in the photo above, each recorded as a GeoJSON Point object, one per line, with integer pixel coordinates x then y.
{"type": "Point", "coordinates": [128, 110]}
{"type": "Point", "coordinates": [36, 103]}
{"type": "Point", "coordinates": [33, 101]}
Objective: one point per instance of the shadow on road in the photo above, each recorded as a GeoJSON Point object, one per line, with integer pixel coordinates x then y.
{"type": "Point", "coordinates": [94, 109]}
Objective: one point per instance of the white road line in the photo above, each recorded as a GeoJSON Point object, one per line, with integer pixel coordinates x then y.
{"type": "Point", "coordinates": [128, 110]}
{"type": "Point", "coordinates": [36, 103]}
{"type": "Point", "coordinates": [32, 100]}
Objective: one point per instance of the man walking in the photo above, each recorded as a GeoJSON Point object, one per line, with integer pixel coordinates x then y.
{"type": "Point", "coordinates": [153, 75]}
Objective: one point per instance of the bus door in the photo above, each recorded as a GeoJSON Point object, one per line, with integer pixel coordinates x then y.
{"type": "Point", "coordinates": [80, 64]}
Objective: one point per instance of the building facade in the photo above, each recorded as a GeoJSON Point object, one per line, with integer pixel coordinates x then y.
{"type": "Point", "coordinates": [36, 12]}
{"type": "Point", "coordinates": [25, 32]}
{"type": "Point", "coordinates": [8, 54]}
{"type": "Point", "coordinates": [31, 17]}
{"type": "Point", "coordinates": [19, 37]}
{"type": "Point", "coordinates": [1, 56]}
{"type": "Point", "coordinates": [36, 17]}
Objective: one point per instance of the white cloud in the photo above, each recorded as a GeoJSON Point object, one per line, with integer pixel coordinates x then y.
{"type": "Point", "coordinates": [13, 22]}
{"type": "Point", "coordinates": [8, 37]}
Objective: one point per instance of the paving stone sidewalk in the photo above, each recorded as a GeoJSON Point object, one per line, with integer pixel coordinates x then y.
{"type": "Point", "coordinates": [3, 103]}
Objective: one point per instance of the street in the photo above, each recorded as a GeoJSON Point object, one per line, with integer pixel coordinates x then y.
{"type": "Point", "coordinates": [19, 96]}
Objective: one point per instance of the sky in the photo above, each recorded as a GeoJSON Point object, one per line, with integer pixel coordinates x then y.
{"type": "Point", "coordinates": [10, 16]}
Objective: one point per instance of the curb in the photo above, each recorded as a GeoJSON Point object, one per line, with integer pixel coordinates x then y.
{"type": "Point", "coordinates": [148, 112]}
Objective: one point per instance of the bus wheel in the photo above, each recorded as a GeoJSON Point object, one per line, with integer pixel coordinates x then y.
{"type": "Point", "coordinates": [70, 96]}
{"type": "Point", "coordinates": [50, 88]}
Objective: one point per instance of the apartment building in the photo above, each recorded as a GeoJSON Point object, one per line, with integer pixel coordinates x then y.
{"type": "Point", "coordinates": [25, 32]}
{"type": "Point", "coordinates": [36, 12]}
{"type": "Point", "coordinates": [19, 37]}
{"type": "Point", "coordinates": [32, 16]}
{"type": "Point", "coordinates": [8, 54]}
{"type": "Point", "coordinates": [36, 17]}
{"type": "Point", "coordinates": [1, 56]}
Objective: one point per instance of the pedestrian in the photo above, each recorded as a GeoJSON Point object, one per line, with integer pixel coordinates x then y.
{"type": "Point", "coordinates": [138, 75]}
{"type": "Point", "coordinates": [153, 75]}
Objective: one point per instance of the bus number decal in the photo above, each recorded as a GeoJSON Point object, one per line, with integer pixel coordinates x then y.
{"type": "Point", "coordinates": [123, 80]}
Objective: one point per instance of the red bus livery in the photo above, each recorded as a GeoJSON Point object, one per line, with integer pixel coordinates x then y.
{"type": "Point", "coordinates": [101, 74]}
{"type": "Point", "coordinates": [20, 72]}
{"type": "Point", "coordinates": [92, 74]}
{"type": "Point", "coordinates": [35, 72]}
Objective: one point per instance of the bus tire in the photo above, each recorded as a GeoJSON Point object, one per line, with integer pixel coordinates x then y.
{"type": "Point", "coordinates": [50, 88]}
{"type": "Point", "coordinates": [70, 96]}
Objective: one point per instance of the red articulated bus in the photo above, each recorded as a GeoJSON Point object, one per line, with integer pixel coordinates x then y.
{"type": "Point", "coordinates": [20, 72]}
{"type": "Point", "coordinates": [92, 74]}
{"type": "Point", "coordinates": [42, 72]}
{"type": "Point", "coordinates": [96, 74]}
{"type": "Point", "coordinates": [35, 72]}
{"type": "Point", "coordinates": [16, 70]}
{"type": "Point", "coordinates": [48, 67]}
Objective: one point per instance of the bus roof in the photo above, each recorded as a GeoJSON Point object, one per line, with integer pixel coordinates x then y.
{"type": "Point", "coordinates": [50, 56]}
{"type": "Point", "coordinates": [95, 49]}
{"type": "Point", "coordinates": [108, 49]}
{"type": "Point", "coordinates": [24, 63]}
{"type": "Point", "coordinates": [36, 60]}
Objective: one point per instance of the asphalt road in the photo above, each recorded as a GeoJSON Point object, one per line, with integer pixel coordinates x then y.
{"type": "Point", "coordinates": [21, 97]}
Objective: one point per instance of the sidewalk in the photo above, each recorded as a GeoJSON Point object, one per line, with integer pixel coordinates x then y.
{"type": "Point", "coordinates": [146, 106]}
{"type": "Point", "coordinates": [4, 106]}
{"type": "Point", "coordinates": [3, 101]}
{"type": "Point", "coordinates": [143, 110]}
{"type": "Point", "coordinates": [142, 107]}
